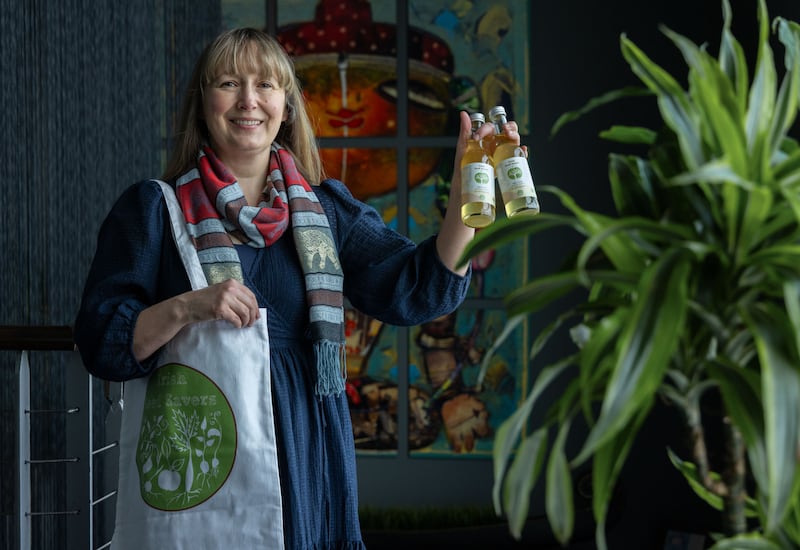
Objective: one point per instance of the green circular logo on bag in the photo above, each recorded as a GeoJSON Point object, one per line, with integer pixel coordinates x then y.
{"type": "Point", "coordinates": [187, 441]}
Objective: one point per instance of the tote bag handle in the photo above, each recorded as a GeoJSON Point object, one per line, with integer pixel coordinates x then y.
{"type": "Point", "coordinates": [183, 241]}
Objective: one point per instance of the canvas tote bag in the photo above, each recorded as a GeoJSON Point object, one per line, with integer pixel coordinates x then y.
{"type": "Point", "coordinates": [198, 467]}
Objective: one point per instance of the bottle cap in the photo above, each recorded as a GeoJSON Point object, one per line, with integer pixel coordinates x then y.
{"type": "Point", "coordinates": [496, 111]}
{"type": "Point", "coordinates": [477, 116]}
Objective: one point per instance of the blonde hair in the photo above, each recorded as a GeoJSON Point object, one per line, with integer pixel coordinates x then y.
{"type": "Point", "coordinates": [245, 50]}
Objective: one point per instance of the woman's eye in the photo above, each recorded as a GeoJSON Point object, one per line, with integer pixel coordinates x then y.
{"type": "Point", "coordinates": [227, 84]}
{"type": "Point", "coordinates": [267, 84]}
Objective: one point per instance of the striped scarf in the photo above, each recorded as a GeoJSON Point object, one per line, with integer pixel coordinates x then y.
{"type": "Point", "coordinates": [214, 207]}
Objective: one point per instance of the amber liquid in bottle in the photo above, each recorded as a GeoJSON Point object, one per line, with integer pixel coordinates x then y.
{"type": "Point", "coordinates": [513, 172]}
{"type": "Point", "coordinates": [477, 182]}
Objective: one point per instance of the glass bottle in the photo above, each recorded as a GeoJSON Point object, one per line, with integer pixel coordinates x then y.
{"type": "Point", "coordinates": [477, 181]}
{"type": "Point", "coordinates": [513, 172]}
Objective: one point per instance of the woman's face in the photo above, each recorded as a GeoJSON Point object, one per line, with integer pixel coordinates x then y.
{"type": "Point", "coordinates": [243, 113]}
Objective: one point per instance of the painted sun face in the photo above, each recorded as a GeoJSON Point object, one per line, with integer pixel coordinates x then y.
{"type": "Point", "coordinates": [356, 96]}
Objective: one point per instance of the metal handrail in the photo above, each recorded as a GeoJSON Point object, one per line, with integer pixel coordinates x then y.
{"type": "Point", "coordinates": [79, 390]}
{"type": "Point", "coordinates": [36, 338]}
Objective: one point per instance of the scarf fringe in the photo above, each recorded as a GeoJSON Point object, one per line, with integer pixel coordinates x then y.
{"type": "Point", "coordinates": [331, 368]}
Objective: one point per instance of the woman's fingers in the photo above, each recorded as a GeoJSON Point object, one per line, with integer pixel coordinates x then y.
{"type": "Point", "coordinates": [510, 128]}
{"type": "Point", "coordinates": [241, 306]}
{"type": "Point", "coordinates": [465, 133]}
{"type": "Point", "coordinates": [229, 300]}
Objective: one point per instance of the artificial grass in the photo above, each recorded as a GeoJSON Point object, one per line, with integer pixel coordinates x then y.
{"type": "Point", "coordinates": [412, 519]}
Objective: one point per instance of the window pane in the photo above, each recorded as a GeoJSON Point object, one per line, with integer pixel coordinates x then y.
{"type": "Point", "coordinates": [243, 13]}
{"type": "Point", "coordinates": [345, 56]}
{"type": "Point", "coordinates": [372, 382]}
{"type": "Point", "coordinates": [489, 43]}
{"type": "Point", "coordinates": [457, 410]}
{"type": "Point", "coordinates": [368, 173]}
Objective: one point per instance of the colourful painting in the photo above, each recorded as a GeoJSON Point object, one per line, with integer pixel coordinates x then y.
{"type": "Point", "coordinates": [461, 55]}
{"type": "Point", "coordinates": [449, 411]}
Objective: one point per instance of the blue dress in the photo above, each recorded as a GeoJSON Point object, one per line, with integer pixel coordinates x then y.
{"type": "Point", "coordinates": [386, 276]}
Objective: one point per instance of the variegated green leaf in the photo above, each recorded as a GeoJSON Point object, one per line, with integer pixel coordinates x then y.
{"type": "Point", "coordinates": [689, 472]}
{"type": "Point", "coordinates": [734, 200]}
{"type": "Point", "coordinates": [629, 226]}
{"type": "Point", "coordinates": [752, 541]}
{"type": "Point", "coordinates": [629, 135]}
{"type": "Point", "coordinates": [783, 118]}
{"type": "Point", "coordinates": [512, 428]}
{"type": "Point", "coordinates": [642, 359]}
{"type": "Point", "coordinates": [791, 296]}
{"type": "Point", "coordinates": [792, 199]}
{"type": "Point", "coordinates": [608, 97]}
{"type": "Point", "coordinates": [537, 294]}
{"type": "Point", "coordinates": [789, 35]}
{"type": "Point", "coordinates": [787, 171]}
{"type": "Point", "coordinates": [780, 382]}
{"type": "Point", "coordinates": [521, 478]}
{"type": "Point", "coordinates": [791, 524]}
{"type": "Point", "coordinates": [785, 110]}
{"type": "Point", "coordinates": [761, 101]}
{"type": "Point", "coordinates": [606, 467]}
{"type": "Point", "coordinates": [596, 359]}
{"type": "Point", "coordinates": [758, 209]}
{"type": "Point", "coordinates": [672, 101]}
{"type": "Point", "coordinates": [507, 230]}
{"type": "Point", "coordinates": [718, 109]}
{"type": "Point", "coordinates": [732, 59]}
{"type": "Point", "coordinates": [786, 256]}
{"type": "Point", "coordinates": [619, 248]}
{"type": "Point", "coordinates": [716, 171]}
{"type": "Point", "coordinates": [741, 394]}
{"type": "Point", "coordinates": [559, 504]}
{"type": "Point", "coordinates": [511, 325]}
{"type": "Point", "coordinates": [632, 186]}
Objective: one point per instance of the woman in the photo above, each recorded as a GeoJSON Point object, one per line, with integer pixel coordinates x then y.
{"type": "Point", "coordinates": [244, 126]}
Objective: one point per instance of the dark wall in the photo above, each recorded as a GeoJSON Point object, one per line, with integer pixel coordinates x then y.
{"type": "Point", "coordinates": [83, 103]}
{"type": "Point", "coordinates": [84, 116]}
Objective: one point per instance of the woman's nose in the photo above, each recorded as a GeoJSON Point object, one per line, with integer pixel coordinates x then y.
{"type": "Point", "coordinates": [247, 98]}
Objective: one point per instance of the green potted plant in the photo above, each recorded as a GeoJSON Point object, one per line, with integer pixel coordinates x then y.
{"type": "Point", "coordinates": [691, 288]}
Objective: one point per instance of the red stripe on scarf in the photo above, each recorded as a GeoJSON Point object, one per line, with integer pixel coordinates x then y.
{"type": "Point", "coordinates": [198, 199]}
{"type": "Point", "coordinates": [195, 203]}
{"type": "Point", "coordinates": [270, 226]}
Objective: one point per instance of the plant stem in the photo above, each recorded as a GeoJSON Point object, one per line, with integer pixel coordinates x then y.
{"type": "Point", "coordinates": [700, 452]}
{"type": "Point", "coordinates": [733, 517]}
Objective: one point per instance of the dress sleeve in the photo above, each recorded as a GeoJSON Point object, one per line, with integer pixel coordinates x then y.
{"type": "Point", "coordinates": [123, 280]}
{"type": "Point", "coordinates": [386, 275]}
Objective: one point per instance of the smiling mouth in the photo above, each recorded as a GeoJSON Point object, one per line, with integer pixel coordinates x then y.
{"type": "Point", "coordinates": [247, 123]}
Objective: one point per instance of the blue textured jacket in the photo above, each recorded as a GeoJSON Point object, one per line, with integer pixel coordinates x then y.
{"type": "Point", "coordinates": [136, 264]}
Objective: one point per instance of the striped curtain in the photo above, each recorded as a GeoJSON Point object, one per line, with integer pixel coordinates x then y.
{"type": "Point", "coordinates": [89, 95]}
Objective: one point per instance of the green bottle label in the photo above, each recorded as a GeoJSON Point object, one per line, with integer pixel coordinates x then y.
{"type": "Point", "coordinates": [514, 178]}
{"type": "Point", "coordinates": [477, 183]}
